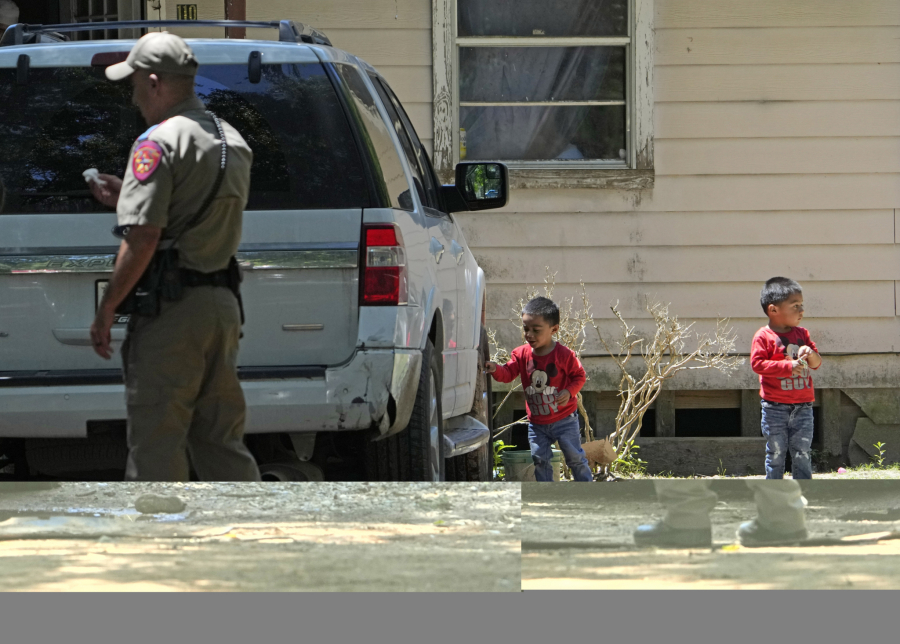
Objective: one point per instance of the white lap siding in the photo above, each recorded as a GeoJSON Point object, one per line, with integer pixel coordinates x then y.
{"type": "Point", "coordinates": [777, 152]}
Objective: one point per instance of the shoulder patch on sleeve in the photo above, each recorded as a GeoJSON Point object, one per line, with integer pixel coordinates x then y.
{"type": "Point", "coordinates": [146, 159]}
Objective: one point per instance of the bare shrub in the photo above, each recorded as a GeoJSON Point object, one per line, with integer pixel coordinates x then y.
{"type": "Point", "coordinates": [664, 355]}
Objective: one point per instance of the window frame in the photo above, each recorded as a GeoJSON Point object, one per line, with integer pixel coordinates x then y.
{"type": "Point", "coordinates": [432, 187]}
{"type": "Point", "coordinates": [125, 10]}
{"type": "Point", "coordinates": [635, 173]}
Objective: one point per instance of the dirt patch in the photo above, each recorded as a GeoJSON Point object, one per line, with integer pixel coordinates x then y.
{"type": "Point", "coordinates": [270, 536]}
{"type": "Point", "coordinates": [597, 522]}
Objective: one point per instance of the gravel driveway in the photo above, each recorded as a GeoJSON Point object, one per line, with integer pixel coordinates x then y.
{"type": "Point", "coordinates": [263, 536]}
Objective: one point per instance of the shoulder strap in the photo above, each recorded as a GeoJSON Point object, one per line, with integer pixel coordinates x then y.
{"type": "Point", "coordinates": [223, 162]}
{"type": "Point", "coordinates": [122, 231]}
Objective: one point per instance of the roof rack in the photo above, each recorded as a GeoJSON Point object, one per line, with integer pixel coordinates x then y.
{"type": "Point", "coordinates": [288, 30]}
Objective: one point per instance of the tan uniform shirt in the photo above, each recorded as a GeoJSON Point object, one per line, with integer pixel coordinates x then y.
{"type": "Point", "coordinates": [172, 170]}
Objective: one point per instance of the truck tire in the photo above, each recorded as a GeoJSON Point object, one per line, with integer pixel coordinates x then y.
{"type": "Point", "coordinates": [425, 431]}
{"type": "Point", "coordinates": [417, 452]}
{"type": "Point", "coordinates": [472, 467]}
{"type": "Point", "coordinates": [478, 465]}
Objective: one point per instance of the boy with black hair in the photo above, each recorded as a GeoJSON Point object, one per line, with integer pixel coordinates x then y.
{"type": "Point", "coordinates": [782, 354]}
{"type": "Point", "coordinates": [551, 376]}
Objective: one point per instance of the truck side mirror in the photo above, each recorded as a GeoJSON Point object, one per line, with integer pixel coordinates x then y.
{"type": "Point", "coordinates": [479, 186]}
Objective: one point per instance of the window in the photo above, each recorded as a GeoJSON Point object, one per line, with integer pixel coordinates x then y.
{"type": "Point", "coordinates": [68, 119]}
{"type": "Point", "coordinates": [415, 154]}
{"type": "Point", "coordinates": [101, 11]}
{"type": "Point", "coordinates": [557, 89]}
{"type": "Point", "coordinates": [402, 137]}
{"type": "Point", "coordinates": [390, 178]}
{"type": "Point", "coordinates": [432, 185]}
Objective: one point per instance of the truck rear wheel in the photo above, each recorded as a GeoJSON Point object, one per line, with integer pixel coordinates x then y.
{"type": "Point", "coordinates": [478, 465]}
{"type": "Point", "coordinates": [472, 467]}
{"type": "Point", "coordinates": [417, 452]}
{"type": "Point", "coordinates": [425, 431]}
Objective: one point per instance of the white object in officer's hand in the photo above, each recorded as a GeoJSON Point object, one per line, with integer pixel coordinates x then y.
{"type": "Point", "coordinates": [93, 175]}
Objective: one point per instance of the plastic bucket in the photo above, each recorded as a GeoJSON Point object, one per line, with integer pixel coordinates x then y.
{"type": "Point", "coordinates": [519, 465]}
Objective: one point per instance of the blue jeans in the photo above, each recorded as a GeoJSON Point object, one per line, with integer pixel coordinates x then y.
{"type": "Point", "coordinates": [787, 427]}
{"type": "Point", "coordinates": [567, 432]}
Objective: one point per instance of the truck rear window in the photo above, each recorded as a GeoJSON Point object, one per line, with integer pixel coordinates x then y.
{"type": "Point", "coordinates": [68, 119]}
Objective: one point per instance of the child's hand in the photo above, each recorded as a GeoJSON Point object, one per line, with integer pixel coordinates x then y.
{"type": "Point", "coordinates": [813, 359]}
{"type": "Point", "coordinates": [563, 397]}
{"type": "Point", "coordinates": [490, 367]}
{"type": "Point", "coordinates": [799, 369]}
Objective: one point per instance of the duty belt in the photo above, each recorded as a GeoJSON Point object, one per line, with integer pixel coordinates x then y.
{"type": "Point", "coordinates": [196, 278]}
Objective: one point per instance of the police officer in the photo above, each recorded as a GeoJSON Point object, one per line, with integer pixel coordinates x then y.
{"type": "Point", "coordinates": [182, 391]}
{"type": "Point", "coordinates": [780, 506]}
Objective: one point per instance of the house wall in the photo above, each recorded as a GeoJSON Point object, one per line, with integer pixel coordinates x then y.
{"type": "Point", "coordinates": [777, 134]}
{"type": "Point", "coordinates": [392, 35]}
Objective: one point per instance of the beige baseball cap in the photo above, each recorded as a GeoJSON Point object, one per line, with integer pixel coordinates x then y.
{"type": "Point", "coordinates": [156, 52]}
{"type": "Point", "coordinates": [9, 12]}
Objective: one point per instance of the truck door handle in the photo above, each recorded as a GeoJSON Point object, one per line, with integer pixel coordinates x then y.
{"type": "Point", "coordinates": [437, 249]}
{"type": "Point", "coordinates": [82, 337]}
{"type": "Point", "coordinates": [456, 250]}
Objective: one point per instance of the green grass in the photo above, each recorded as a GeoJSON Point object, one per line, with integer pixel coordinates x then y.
{"type": "Point", "coordinates": [867, 471]}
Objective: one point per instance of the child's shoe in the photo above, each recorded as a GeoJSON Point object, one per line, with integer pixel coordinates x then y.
{"type": "Point", "coordinates": [662, 536]}
{"type": "Point", "coordinates": [753, 535]}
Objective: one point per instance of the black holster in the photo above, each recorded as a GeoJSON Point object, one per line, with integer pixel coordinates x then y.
{"type": "Point", "coordinates": [161, 281]}
{"type": "Point", "coordinates": [164, 279]}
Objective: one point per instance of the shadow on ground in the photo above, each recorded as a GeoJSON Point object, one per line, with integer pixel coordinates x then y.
{"type": "Point", "coordinates": [597, 522]}
{"type": "Point", "coordinates": [300, 536]}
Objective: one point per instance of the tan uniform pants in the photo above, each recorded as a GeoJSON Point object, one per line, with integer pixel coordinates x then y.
{"type": "Point", "coordinates": [780, 504]}
{"type": "Point", "coordinates": [182, 391]}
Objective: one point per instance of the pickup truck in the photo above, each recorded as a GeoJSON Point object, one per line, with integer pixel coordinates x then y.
{"type": "Point", "coordinates": [364, 337]}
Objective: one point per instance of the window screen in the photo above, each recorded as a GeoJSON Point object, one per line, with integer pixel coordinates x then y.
{"type": "Point", "coordinates": [528, 92]}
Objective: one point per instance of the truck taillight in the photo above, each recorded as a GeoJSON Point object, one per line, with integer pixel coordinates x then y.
{"type": "Point", "coordinates": [384, 279]}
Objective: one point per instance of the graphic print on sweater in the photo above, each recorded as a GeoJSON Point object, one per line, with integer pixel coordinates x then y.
{"type": "Point", "coordinates": [771, 356]}
{"type": "Point", "coordinates": [541, 396]}
{"type": "Point", "coordinates": [792, 352]}
{"type": "Point", "coordinates": [543, 377]}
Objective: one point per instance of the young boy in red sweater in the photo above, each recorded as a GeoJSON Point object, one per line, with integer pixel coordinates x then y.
{"type": "Point", "coordinates": [782, 354]}
{"type": "Point", "coordinates": [551, 376]}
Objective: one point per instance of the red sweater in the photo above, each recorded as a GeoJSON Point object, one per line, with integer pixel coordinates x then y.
{"type": "Point", "coordinates": [542, 378]}
{"type": "Point", "coordinates": [771, 355]}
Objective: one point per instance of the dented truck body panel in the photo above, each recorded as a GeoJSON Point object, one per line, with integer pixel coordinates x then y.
{"type": "Point", "coordinates": [352, 396]}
